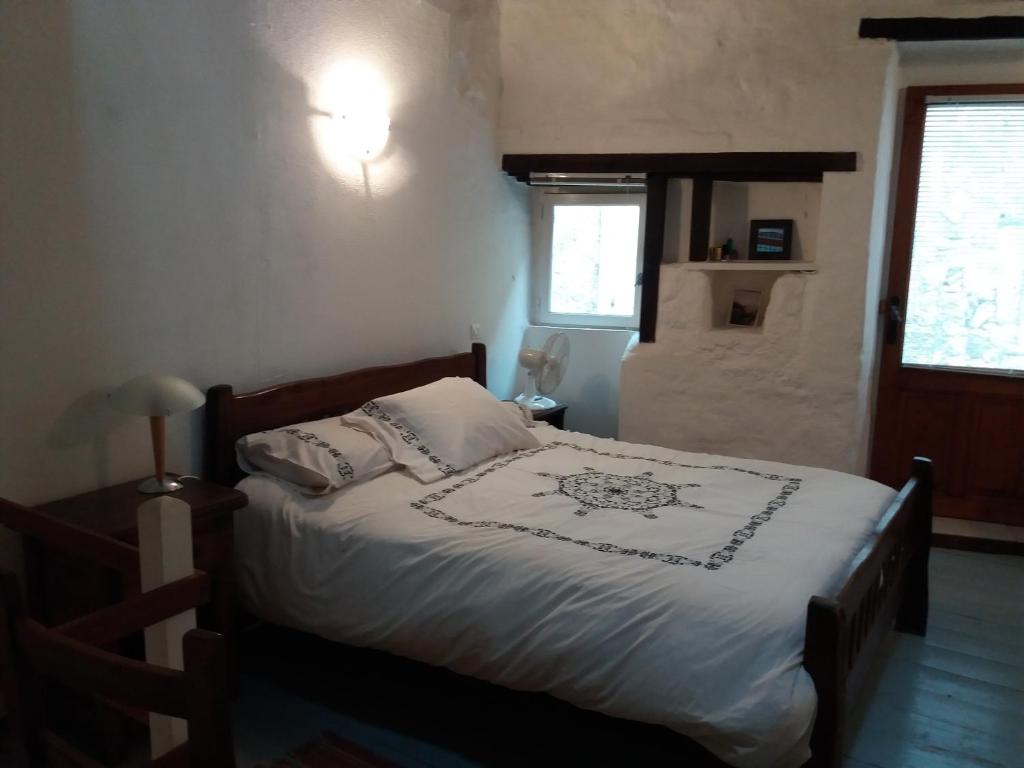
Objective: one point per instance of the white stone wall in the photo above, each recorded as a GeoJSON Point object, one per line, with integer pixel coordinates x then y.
{"type": "Point", "coordinates": [733, 75]}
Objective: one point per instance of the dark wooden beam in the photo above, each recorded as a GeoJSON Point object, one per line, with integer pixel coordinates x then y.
{"type": "Point", "coordinates": [734, 166]}
{"type": "Point", "coordinates": [654, 244]}
{"type": "Point", "coordinates": [700, 218]}
{"type": "Point", "coordinates": [923, 28]}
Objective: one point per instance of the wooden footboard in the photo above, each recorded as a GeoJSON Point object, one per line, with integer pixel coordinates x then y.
{"type": "Point", "coordinates": [886, 585]}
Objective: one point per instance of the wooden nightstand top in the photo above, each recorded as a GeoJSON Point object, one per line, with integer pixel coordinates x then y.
{"type": "Point", "coordinates": [542, 413]}
{"type": "Point", "coordinates": [112, 511]}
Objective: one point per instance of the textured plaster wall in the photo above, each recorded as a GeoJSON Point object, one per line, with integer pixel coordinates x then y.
{"type": "Point", "coordinates": [166, 204]}
{"type": "Point", "coordinates": [736, 75]}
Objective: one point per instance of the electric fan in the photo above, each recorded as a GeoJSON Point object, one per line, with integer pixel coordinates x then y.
{"type": "Point", "coordinates": [545, 368]}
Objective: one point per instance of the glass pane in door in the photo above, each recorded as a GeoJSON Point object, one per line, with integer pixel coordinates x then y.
{"type": "Point", "coordinates": [965, 305]}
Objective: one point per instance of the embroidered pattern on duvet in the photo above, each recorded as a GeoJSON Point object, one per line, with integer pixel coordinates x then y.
{"type": "Point", "coordinates": [721, 557]}
{"type": "Point", "coordinates": [594, 489]}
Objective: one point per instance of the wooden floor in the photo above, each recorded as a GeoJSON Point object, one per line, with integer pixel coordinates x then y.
{"type": "Point", "coordinates": [953, 699]}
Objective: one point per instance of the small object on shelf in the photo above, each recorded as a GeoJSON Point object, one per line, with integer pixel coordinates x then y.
{"type": "Point", "coordinates": [715, 253]}
{"type": "Point", "coordinates": [746, 308]}
{"type": "Point", "coordinates": [771, 239]}
{"type": "Point", "coordinates": [729, 251]}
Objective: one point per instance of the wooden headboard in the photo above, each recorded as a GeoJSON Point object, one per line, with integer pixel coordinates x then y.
{"type": "Point", "coordinates": [230, 416]}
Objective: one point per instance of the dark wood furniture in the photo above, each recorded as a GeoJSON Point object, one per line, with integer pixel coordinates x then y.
{"type": "Point", "coordinates": [62, 587]}
{"type": "Point", "coordinates": [928, 28]}
{"type": "Point", "coordinates": [727, 166]}
{"type": "Point", "coordinates": [885, 584]}
{"type": "Point", "coordinates": [704, 168]}
{"type": "Point", "coordinates": [74, 656]}
{"type": "Point", "coordinates": [555, 415]}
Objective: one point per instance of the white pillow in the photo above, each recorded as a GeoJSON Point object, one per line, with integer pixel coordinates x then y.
{"type": "Point", "coordinates": [443, 428]}
{"type": "Point", "coordinates": [522, 412]}
{"type": "Point", "coordinates": [319, 456]}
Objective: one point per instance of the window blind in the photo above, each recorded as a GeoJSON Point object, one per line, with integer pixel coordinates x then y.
{"type": "Point", "coordinates": [965, 307]}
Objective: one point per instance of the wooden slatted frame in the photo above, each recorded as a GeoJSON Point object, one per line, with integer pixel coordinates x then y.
{"type": "Point", "coordinates": [134, 614]}
{"type": "Point", "coordinates": [71, 539]}
{"type": "Point", "coordinates": [31, 653]}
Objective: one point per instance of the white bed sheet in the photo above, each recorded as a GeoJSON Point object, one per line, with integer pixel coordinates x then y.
{"type": "Point", "coordinates": [648, 584]}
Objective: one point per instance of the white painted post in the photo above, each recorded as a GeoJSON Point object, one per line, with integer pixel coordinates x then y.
{"type": "Point", "coordinates": [165, 555]}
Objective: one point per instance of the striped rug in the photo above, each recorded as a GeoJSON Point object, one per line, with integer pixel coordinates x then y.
{"type": "Point", "coordinates": [332, 751]}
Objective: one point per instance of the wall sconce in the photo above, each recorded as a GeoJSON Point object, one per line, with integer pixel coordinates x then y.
{"type": "Point", "coordinates": [359, 111]}
{"type": "Point", "coordinates": [364, 132]}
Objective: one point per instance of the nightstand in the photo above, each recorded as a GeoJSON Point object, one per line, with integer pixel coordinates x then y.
{"type": "Point", "coordinates": [62, 588]}
{"type": "Point", "coordinates": [555, 415]}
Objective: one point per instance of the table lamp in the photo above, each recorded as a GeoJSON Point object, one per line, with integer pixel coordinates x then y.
{"type": "Point", "coordinates": [157, 396]}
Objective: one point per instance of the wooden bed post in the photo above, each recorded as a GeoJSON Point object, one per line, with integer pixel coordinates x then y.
{"type": "Point", "coordinates": [913, 612]}
{"type": "Point", "coordinates": [825, 656]}
{"type": "Point", "coordinates": [216, 415]}
{"type": "Point", "coordinates": [480, 363]}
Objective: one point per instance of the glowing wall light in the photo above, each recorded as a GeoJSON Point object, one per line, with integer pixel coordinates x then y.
{"type": "Point", "coordinates": [357, 101]}
{"type": "Point", "coordinates": [364, 134]}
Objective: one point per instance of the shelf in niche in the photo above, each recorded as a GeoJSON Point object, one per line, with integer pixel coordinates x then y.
{"type": "Point", "coordinates": [752, 266]}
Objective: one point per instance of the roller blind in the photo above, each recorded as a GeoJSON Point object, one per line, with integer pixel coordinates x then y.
{"type": "Point", "coordinates": [965, 307]}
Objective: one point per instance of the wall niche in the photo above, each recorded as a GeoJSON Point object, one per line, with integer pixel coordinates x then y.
{"type": "Point", "coordinates": [733, 205]}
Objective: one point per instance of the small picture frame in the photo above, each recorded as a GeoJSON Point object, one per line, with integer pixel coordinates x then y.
{"type": "Point", "coordinates": [771, 239]}
{"type": "Point", "coordinates": [746, 308]}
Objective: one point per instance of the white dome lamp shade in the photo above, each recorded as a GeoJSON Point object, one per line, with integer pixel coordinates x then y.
{"type": "Point", "coordinates": [157, 396]}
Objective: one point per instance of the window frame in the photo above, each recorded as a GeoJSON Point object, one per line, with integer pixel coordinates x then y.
{"type": "Point", "coordinates": [544, 221]}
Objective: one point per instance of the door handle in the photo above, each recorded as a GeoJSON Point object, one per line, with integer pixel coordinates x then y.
{"type": "Point", "coordinates": [893, 319]}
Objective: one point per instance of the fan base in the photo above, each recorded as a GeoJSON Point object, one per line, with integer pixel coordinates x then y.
{"type": "Point", "coordinates": [536, 402]}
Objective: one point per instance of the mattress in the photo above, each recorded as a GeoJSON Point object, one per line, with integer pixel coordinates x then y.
{"type": "Point", "coordinates": [645, 583]}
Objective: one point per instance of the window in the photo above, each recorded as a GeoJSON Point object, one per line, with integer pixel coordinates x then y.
{"type": "Point", "coordinates": [965, 305]}
{"type": "Point", "coordinates": [589, 252]}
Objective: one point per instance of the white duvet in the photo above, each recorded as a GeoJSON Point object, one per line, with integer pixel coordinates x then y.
{"type": "Point", "coordinates": [645, 583]}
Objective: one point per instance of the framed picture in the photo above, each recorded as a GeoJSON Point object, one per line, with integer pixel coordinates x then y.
{"type": "Point", "coordinates": [771, 239]}
{"type": "Point", "coordinates": [746, 307]}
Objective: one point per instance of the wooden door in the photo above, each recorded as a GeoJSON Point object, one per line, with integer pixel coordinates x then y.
{"type": "Point", "coordinates": [951, 385]}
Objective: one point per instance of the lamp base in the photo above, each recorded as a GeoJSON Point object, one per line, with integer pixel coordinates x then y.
{"type": "Point", "coordinates": [152, 485]}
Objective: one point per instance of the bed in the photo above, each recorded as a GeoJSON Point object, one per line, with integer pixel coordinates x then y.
{"type": "Point", "coordinates": [678, 606]}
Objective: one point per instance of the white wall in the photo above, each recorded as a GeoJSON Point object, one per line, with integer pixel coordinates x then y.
{"type": "Point", "coordinates": [166, 206]}
{"type": "Point", "coordinates": [692, 76]}
{"type": "Point", "coordinates": [590, 387]}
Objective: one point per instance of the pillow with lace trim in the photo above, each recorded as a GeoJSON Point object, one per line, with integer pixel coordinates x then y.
{"type": "Point", "coordinates": [318, 456]}
{"type": "Point", "coordinates": [443, 428]}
